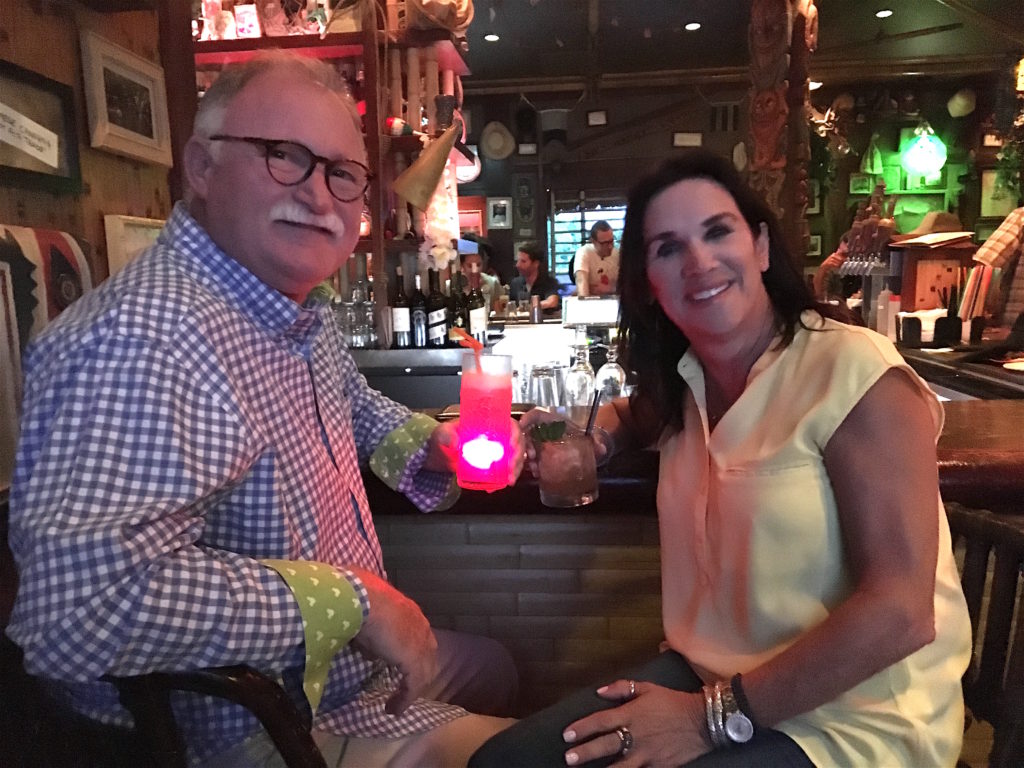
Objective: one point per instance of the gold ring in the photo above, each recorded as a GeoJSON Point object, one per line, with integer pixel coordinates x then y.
{"type": "Point", "coordinates": [632, 689]}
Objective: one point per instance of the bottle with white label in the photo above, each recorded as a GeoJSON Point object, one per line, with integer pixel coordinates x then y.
{"type": "Point", "coordinates": [419, 315]}
{"type": "Point", "coordinates": [401, 320]}
{"type": "Point", "coordinates": [437, 312]}
{"type": "Point", "coordinates": [477, 307]}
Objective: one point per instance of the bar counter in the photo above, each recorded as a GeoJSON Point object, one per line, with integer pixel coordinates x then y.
{"type": "Point", "coordinates": [980, 453]}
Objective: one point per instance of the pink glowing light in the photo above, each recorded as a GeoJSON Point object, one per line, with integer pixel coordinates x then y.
{"type": "Point", "coordinates": [482, 452]}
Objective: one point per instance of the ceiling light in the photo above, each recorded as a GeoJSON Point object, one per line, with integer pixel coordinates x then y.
{"type": "Point", "coordinates": [490, 37]}
{"type": "Point", "coordinates": [814, 85]}
{"type": "Point", "coordinates": [885, 13]}
{"type": "Point", "coordinates": [693, 26]}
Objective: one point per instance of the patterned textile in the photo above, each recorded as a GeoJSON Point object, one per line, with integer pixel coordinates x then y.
{"type": "Point", "coordinates": [1003, 249]}
{"type": "Point", "coordinates": [182, 421]}
{"type": "Point", "coordinates": [42, 271]}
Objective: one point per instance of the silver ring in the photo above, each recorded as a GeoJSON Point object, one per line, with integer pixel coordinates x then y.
{"type": "Point", "coordinates": [625, 740]}
{"type": "Point", "coordinates": [632, 689]}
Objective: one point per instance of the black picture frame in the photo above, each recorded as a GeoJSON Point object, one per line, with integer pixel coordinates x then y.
{"type": "Point", "coordinates": [29, 96]}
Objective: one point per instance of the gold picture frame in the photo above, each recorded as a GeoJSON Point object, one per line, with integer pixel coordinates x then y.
{"type": "Point", "coordinates": [126, 100]}
{"type": "Point", "coordinates": [127, 237]}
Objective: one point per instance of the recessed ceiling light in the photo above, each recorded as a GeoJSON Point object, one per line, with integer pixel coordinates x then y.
{"type": "Point", "coordinates": [885, 13]}
{"type": "Point", "coordinates": [693, 26]}
{"type": "Point", "coordinates": [490, 37]}
{"type": "Point", "coordinates": [814, 85]}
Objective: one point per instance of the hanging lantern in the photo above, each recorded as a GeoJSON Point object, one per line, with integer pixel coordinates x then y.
{"type": "Point", "coordinates": [926, 153]}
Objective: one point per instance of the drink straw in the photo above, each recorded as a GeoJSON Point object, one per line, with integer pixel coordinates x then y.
{"type": "Point", "coordinates": [593, 413]}
{"type": "Point", "coordinates": [466, 340]}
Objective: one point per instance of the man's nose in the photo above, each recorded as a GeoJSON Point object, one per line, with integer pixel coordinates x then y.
{"type": "Point", "coordinates": [316, 189]}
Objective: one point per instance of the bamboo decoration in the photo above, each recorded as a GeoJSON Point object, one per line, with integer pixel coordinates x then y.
{"type": "Point", "coordinates": [395, 82]}
{"type": "Point", "coordinates": [430, 87]}
{"type": "Point", "coordinates": [413, 92]}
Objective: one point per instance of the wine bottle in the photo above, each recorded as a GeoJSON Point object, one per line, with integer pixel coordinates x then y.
{"type": "Point", "coordinates": [458, 312]}
{"type": "Point", "coordinates": [419, 315]}
{"type": "Point", "coordinates": [401, 321]}
{"type": "Point", "coordinates": [477, 307]}
{"type": "Point", "coordinates": [437, 311]}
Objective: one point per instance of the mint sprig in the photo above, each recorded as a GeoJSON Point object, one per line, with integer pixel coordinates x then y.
{"type": "Point", "coordinates": [548, 431]}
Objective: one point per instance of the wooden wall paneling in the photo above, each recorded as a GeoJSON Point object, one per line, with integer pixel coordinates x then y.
{"type": "Point", "coordinates": [45, 40]}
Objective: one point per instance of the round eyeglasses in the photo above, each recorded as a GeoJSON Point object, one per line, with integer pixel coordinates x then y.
{"type": "Point", "coordinates": [290, 163]}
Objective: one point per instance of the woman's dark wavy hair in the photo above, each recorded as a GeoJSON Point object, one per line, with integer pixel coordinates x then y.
{"type": "Point", "coordinates": [649, 343]}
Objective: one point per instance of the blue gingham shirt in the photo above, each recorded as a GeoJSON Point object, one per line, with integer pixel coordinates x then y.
{"type": "Point", "coordinates": [180, 422]}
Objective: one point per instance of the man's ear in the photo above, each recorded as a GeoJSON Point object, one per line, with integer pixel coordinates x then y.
{"type": "Point", "coordinates": [198, 165]}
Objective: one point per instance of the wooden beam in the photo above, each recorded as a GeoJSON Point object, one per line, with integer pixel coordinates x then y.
{"type": "Point", "coordinates": [992, 26]}
{"type": "Point", "coordinates": [174, 18]}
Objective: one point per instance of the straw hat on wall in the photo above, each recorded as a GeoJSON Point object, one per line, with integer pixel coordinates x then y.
{"type": "Point", "coordinates": [496, 141]}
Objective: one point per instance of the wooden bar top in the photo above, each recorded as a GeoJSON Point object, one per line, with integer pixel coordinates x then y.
{"type": "Point", "coordinates": [980, 453]}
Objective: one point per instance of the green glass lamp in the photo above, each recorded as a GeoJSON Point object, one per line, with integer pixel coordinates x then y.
{"type": "Point", "coordinates": [925, 154]}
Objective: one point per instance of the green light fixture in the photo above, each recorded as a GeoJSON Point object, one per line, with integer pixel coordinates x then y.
{"type": "Point", "coordinates": [925, 154]}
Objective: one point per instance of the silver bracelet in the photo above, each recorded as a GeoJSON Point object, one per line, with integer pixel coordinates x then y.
{"type": "Point", "coordinates": [714, 727]}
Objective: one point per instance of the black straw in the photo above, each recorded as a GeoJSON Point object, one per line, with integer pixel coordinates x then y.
{"type": "Point", "coordinates": [593, 412]}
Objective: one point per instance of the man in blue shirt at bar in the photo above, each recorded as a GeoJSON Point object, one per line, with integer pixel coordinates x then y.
{"type": "Point", "coordinates": [187, 482]}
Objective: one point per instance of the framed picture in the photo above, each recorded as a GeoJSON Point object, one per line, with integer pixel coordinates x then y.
{"type": "Point", "coordinates": [814, 246]}
{"type": "Point", "coordinates": [126, 100]}
{"type": "Point", "coordinates": [995, 201]}
{"type": "Point", "coordinates": [499, 213]}
{"type": "Point", "coordinates": [861, 183]}
{"type": "Point", "coordinates": [38, 136]}
{"type": "Point", "coordinates": [127, 237]}
{"type": "Point", "coordinates": [813, 197]}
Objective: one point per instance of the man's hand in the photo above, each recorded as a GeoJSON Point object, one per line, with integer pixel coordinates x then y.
{"type": "Point", "coordinates": [396, 631]}
{"type": "Point", "coordinates": [443, 449]}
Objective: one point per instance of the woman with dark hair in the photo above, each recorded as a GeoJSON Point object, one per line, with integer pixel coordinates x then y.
{"type": "Point", "coordinates": [810, 601]}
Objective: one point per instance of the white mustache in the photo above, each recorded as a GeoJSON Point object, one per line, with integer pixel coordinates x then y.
{"type": "Point", "coordinates": [296, 214]}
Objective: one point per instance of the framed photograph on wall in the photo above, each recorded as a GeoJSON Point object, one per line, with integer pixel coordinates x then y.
{"type": "Point", "coordinates": [38, 136]}
{"type": "Point", "coordinates": [126, 99]}
{"type": "Point", "coordinates": [814, 246]}
{"type": "Point", "coordinates": [995, 201]}
{"type": "Point", "coordinates": [861, 183]}
{"type": "Point", "coordinates": [813, 197]}
{"type": "Point", "coordinates": [499, 213]}
{"type": "Point", "coordinates": [127, 237]}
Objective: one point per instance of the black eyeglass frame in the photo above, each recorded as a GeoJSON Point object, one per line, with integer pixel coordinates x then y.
{"type": "Point", "coordinates": [270, 144]}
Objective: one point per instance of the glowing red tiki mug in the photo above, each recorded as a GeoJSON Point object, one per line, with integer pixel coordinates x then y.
{"type": "Point", "coordinates": [485, 406]}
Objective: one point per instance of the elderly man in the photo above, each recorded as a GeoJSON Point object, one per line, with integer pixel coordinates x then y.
{"type": "Point", "coordinates": [187, 485]}
{"type": "Point", "coordinates": [596, 263]}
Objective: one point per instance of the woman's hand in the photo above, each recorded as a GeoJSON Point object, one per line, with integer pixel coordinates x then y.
{"type": "Point", "coordinates": [667, 727]}
{"type": "Point", "coordinates": [540, 415]}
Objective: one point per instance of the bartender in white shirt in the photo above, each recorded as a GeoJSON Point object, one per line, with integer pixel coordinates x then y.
{"type": "Point", "coordinates": [597, 263]}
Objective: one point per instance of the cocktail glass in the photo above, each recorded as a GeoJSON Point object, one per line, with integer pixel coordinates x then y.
{"type": "Point", "coordinates": [485, 407]}
{"type": "Point", "coordinates": [567, 470]}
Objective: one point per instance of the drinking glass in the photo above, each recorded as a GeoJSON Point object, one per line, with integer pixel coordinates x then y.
{"type": "Point", "coordinates": [543, 390]}
{"type": "Point", "coordinates": [485, 407]}
{"type": "Point", "coordinates": [567, 470]}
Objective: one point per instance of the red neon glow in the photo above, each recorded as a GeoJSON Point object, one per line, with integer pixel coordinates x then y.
{"type": "Point", "coordinates": [482, 452]}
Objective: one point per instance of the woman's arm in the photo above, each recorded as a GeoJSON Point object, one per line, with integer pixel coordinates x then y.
{"type": "Point", "coordinates": [886, 492]}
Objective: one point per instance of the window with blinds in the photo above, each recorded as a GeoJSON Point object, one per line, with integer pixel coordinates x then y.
{"type": "Point", "coordinates": [570, 227]}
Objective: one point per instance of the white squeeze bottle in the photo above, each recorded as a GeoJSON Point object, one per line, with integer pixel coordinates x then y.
{"type": "Point", "coordinates": [893, 317]}
{"type": "Point", "coordinates": [882, 316]}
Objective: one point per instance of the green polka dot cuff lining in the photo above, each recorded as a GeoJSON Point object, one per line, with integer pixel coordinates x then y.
{"type": "Point", "coordinates": [396, 450]}
{"type": "Point", "coordinates": [333, 603]}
